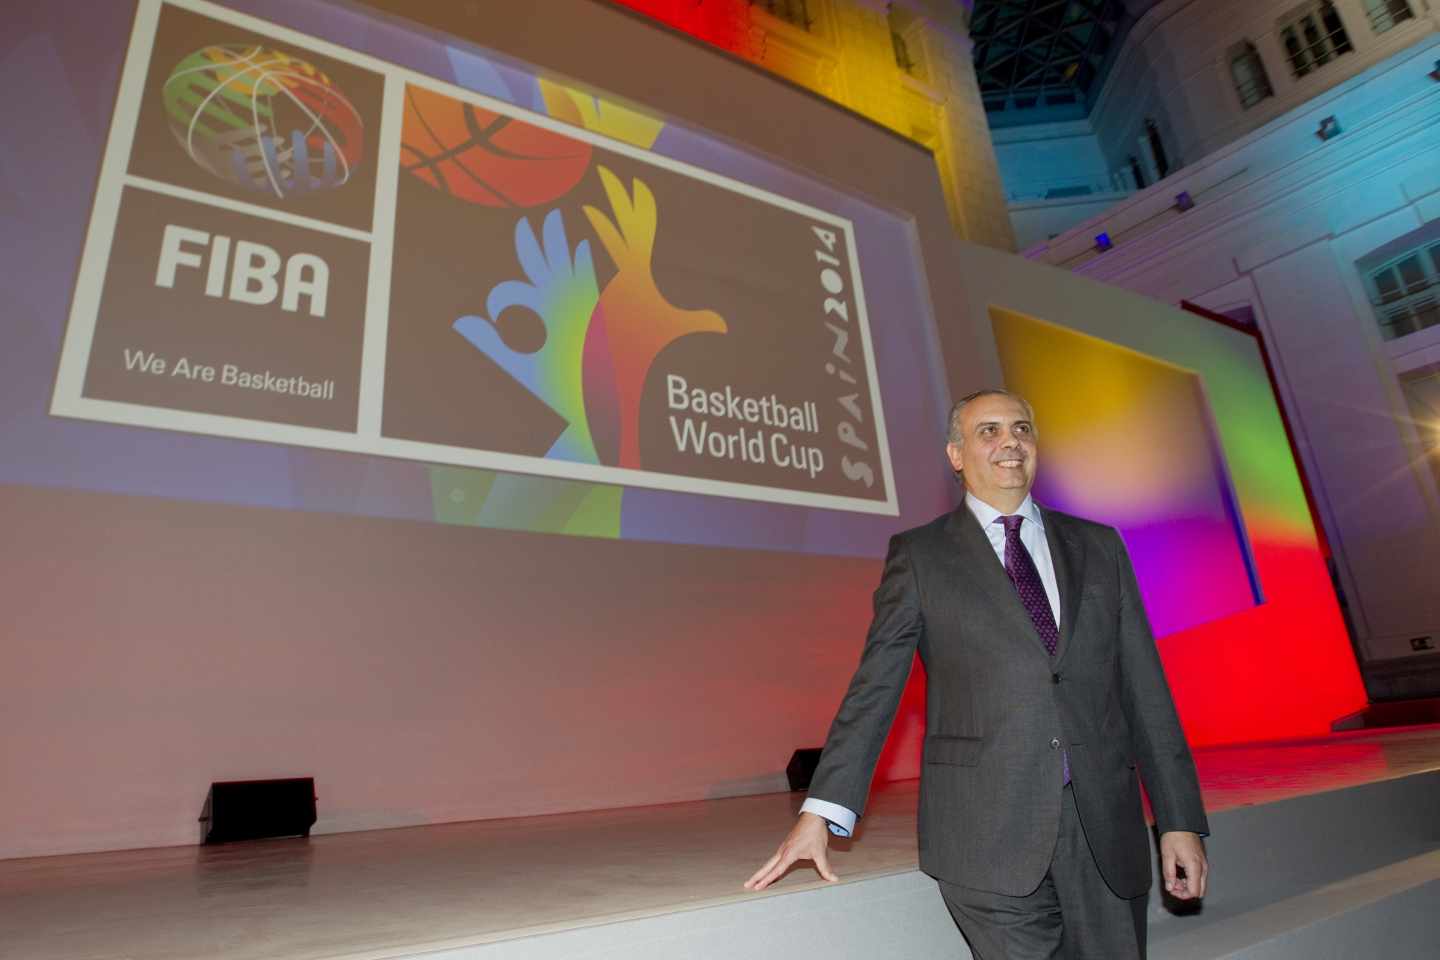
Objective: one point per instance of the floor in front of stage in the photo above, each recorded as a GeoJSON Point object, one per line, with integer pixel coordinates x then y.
{"type": "Point", "coordinates": [395, 892]}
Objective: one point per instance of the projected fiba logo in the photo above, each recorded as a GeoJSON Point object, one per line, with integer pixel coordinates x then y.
{"type": "Point", "coordinates": [263, 119]}
{"type": "Point", "coordinates": [661, 321]}
{"type": "Point", "coordinates": [557, 297]}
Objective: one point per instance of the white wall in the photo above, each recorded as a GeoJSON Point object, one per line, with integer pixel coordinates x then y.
{"type": "Point", "coordinates": [1173, 67]}
{"type": "Point", "coordinates": [1037, 221]}
{"type": "Point", "coordinates": [1036, 159]}
{"type": "Point", "coordinates": [1280, 222]}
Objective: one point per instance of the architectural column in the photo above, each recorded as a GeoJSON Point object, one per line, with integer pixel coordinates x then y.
{"type": "Point", "coordinates": [964, 152]}
{"type": "Point", "coordinates": [862, 30]}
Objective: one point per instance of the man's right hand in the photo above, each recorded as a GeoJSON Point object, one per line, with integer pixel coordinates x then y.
{"type": "Point", "coordinates": [809, 839]}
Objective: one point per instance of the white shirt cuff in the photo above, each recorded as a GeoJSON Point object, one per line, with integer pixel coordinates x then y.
{"type": "Point", "coordinates": [840, 819]}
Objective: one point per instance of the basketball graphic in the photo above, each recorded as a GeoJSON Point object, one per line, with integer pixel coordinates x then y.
{"type": "Point", "coordinates": [263, 120]}
{"type": "Point", "coordinates": [484, 157]}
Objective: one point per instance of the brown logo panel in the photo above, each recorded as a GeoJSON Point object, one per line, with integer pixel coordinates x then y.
{"type": "Point", "coordinates": [218, 312]}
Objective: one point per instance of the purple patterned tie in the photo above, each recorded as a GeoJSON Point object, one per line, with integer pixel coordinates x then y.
{"type": "Point", "coordinates": [1026, 579]}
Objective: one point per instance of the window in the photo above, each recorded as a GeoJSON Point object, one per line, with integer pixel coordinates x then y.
{"type": "Point", "coordinates": [902, 53]}
{"type": "Point", "coordinates": [794, 12]}
{"type": "Point", "coordinates": [1312, 36]}
{"type": "Point", "coordinates": [1405, 291]}
{"type": "Point", "coordinates": [902, 23]}
{"type": "Point", "coordinates": [1136, 172]}
{"type": "Point", "coordinates": [1157, 148]}
{"type": "Point", "coordinates": [1252, 83]}
{"type": "Point", "coordinates": [1385, 14]}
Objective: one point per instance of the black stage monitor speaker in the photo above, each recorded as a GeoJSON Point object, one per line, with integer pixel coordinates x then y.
{"type": "Point", "coordinates": [254, 809]}
{"type": "Point", "coordinates": [801, 768]}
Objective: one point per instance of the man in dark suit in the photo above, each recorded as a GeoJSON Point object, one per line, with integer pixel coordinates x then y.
{"type": "Point", "coordinates": [1045, 693]}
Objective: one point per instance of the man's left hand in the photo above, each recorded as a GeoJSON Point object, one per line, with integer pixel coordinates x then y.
{"type": "Point", "coordinates": [1182, 860]}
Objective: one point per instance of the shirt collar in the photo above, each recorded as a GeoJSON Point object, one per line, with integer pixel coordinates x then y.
{"type": "Point", "coordinates": [987, 514]}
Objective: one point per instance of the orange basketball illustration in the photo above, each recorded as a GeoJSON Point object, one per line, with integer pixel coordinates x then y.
{"type": "Point", "coordinates": [485, 157]}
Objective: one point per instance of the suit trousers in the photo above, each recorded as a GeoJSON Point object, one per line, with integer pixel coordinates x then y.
{"type": "Point", "coordinates": [1072, 915]}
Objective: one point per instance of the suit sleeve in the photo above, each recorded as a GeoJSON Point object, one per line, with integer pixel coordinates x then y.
{"type": "Point", "coordinates": [1166, 767]}
{"type": "Point", "coordinates": [863, 721]}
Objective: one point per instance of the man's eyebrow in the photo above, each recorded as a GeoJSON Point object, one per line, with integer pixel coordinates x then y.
{"type": "Point", "coordinates": [996, 423]}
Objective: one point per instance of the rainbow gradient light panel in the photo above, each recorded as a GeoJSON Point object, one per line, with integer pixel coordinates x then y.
{"type": "Point", "coordinates": [1192, 465]}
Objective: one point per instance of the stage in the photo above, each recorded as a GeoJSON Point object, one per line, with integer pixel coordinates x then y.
{"type": "Point", "coordinates": [1305, 831]}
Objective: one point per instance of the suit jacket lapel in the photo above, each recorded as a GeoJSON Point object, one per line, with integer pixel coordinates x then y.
{"type": "Point", "coordinates": [986, 575]}
{"type": "Point", "coordinates": [1066, 555]}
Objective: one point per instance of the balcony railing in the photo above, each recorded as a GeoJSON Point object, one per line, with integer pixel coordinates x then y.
{"type": "Point", "coordinates": [1071, 188]}
{"type": "Point", "coordinates": [1253, 91]}
{"type": "Point", "coordinates": [1314, 38]}
{"type": "Point", "coordinates": [1389, 14]}
{"type": "Point", "coordinates": [1403, 313]}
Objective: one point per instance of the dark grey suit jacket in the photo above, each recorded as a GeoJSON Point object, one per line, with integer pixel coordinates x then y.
{"type": "Point", "coordinates": [1000, 709]}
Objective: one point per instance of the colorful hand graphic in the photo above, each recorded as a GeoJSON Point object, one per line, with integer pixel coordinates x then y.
{"type": "Point", "coordinates": [563, 293]}
{"type": "Point", "coordinates": [632, 321]}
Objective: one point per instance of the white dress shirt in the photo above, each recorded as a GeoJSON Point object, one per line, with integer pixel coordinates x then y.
{"type": "Point", "coordinates": [1032, 534]}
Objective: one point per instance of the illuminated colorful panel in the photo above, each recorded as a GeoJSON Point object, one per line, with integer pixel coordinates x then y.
{"type": "Point", "coordinates": [1129, 440]}
{"type": "Point", "coordinates": [1145, 426]}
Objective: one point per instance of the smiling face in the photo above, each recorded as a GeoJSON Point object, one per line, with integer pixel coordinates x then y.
{"type": "Point", "coordinates": [994, 450]}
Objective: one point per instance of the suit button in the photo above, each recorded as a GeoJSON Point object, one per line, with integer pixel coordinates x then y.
{"type": "Point", "coordinates": [1055, 744]}
{"type": "Point", "coordinates": [1054, 678]}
